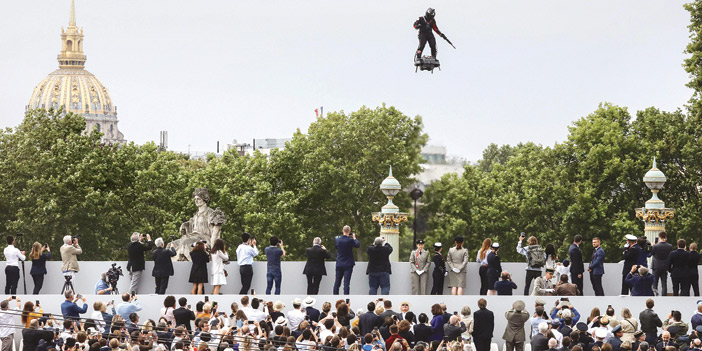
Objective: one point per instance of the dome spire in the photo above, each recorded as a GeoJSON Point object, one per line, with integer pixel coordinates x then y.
{"type": "Point", "coordinates": [72, 17]}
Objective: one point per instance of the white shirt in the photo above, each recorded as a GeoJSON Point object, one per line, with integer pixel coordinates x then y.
{"type": "Point", "coordinates": [7, 320]}
{"type": "Point", "coordinates": [13, 256]}
{"type": "Point", "coordinates": [218, 259]}
{"type": "Point", "coordinates": [245, 254]}
{"type": "Point", "coordinates": [324, 333]}
{"type": "Point", "coordinates": [483, 262]}
{"type": "Point", "coordinates": [256, 315]}
{"type": "Point", "coordinates": [295, 317]}
{"type": "Point", "coordinates": [99, 322]}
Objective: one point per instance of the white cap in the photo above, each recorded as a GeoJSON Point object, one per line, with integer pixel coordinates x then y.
{"type": "Point", "coordinates": [601, 333]}
{"type": "Point", "coordinates": [631, 237]}
{"type": "Point", "coordinates": [495, 245]}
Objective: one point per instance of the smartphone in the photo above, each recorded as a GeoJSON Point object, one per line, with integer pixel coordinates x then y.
{"type": "Point", "coordinates": [79, 296]}
{"type": "Point", "coordinates": [36, 303]}
{"type": "Point", "coordinates": [253, 292]}
{"type": "Point", "coordinates": [251, 322]}
{"type": "Point", "coordinates": [214, 304]}
{"type": "Point", "coordinates": [455, 313]}
{"type": "Point", "coordinates": [189, 307]}
{"type": "Point", "coordinates": [14, 297]}
{"type": "Point", "coordinates": [207, 299]}
{"type": "Point", "coordinates": [347, 301]}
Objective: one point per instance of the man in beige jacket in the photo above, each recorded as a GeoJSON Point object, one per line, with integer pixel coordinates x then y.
{"type": "Point", "coordinates": [69, 255]}
{"type": "Point", "coordinates": [514, 335]}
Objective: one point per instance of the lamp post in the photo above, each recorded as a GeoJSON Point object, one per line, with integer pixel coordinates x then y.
{"type": "Point", "coordinates": [415, 194]}
{"type": "Point", "coordinates": [654, 214]}
{"type": "Point", "coordinates": [390, 216]}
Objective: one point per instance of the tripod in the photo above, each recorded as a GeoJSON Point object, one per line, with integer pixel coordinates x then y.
{"type": "Point", "coordinates": [115, 291]}
{"type": "Point", "coordinates": [68, 285]}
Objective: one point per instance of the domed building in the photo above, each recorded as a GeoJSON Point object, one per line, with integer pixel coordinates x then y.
{"type": "Point", "coordinates": [75, 89]}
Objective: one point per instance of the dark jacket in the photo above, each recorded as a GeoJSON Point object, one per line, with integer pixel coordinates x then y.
{"type": "Point", "coordinates": [678, 263]}
{"type": "Point", "coordinates": [483, 324]}
{"type": "Point", "coordinates": [439, 263]}
{"type": "Point", "coordinates": [650, 322]}
{"type": "Point", "coordinates": [136, 251]}
{"type": "Point", "coordinates": [163, 264]}
{"type": "Point", "coordinates": [660, 253]}
{"type": "Point", "coordinates": [183, 316]}
{"type": "Point", "coordinates": [344, 247]}
{"type": "Point", "coordinates": [693, 259]}
{"type": "Point", "coordinates": [31, 337]}
{"type": "Point", "coordinates": [379, 259]}
{"type": "Point", "coordinates": [576, 259]}
{"type": "Point", "coordinates": [71, 310]}
{"type": "Point", "coordinates": [39, 265]}
{"type": "Point", "coordinates": [539, 342]}
{"type": "Point", "coordinates": [315, 260]}
{"type": "Point", "coordinates": [388, 313]}
{"type": "Point", "coordinates": [422, 332]}
{"type": "Point", "coordinates": [597, 262]}
{"type": "Point", "coordinates": [494, 268]}
{"type": "Point", "coordinates": [367, 321]}
{"type": "Point", "coordinates": [312, 314]}
{"type": "Point", "coordinates": [453, 332]}
{"type": "Point", "coordinates": [631, 257]}
{"type": "Point", "coordinates": [640, 286]}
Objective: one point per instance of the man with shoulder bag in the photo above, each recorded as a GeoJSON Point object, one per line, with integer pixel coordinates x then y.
{"type": "Point", "coordinates": [536, 259]}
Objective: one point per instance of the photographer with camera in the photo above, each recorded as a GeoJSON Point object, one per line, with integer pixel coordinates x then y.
{"type": "Point", "coordinates": [102, 287]}
{"type": "Point", "coordinates": [640, 280]}
{"type": "Point", "coordinates": [163, 265]}
{"type": "Point", "coordinates": [69, 255]}
{"type": "Point", "coordinates": [39, 258]}
{"type": "Point", "coordinates": [245, 254]}
{"type": "Point", "coordinates": [536, 259]}
{"type": "Point", "coordinates": [12, 272]}
{"type": "Point", "coordinates": [135, 265]}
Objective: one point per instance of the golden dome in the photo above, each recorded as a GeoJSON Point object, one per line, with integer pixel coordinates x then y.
{"type": "Point", "coordinates": [75, 89]}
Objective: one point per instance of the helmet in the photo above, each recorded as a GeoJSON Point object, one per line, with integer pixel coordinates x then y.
{"type": "Point", "coordinates": [430, 13]}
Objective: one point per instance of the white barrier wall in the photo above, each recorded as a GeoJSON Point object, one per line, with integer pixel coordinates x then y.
{"type": "Point", "coordinates": [294, 282]}
{"type": "Point", "coordinates": [152, 304]}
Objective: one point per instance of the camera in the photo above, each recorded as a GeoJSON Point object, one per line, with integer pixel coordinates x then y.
{"type": "Point", "coordinates": [113, 275]}
{"type": "Point", "coordinates": [522, 235]}
{"type": "Point", "coordinates": [172, 238]}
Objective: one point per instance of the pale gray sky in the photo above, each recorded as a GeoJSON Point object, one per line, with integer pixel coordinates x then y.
{"type": "Point", "coordinates": [221, 70]}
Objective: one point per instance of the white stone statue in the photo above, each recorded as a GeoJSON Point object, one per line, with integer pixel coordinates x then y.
{"type": "Point", "coordinates": [205, 225]}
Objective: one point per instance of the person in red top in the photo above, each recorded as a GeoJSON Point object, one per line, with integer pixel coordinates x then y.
{"type": "Point", "coordinates": [395, 336]}
{"type": "Point", "coordinates": [426, 26]}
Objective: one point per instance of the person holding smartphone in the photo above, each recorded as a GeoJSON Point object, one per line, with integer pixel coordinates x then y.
{"type": "Point", "coordinates": [273, 273]}
{"type": "Point", "coordinates": [245, 254]}
{"type": "Point", "coordinates": [39, 255]}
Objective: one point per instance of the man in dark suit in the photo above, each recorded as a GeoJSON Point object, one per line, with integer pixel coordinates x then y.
{"type": "Point", "coordinates": [136, 264]}
{"type": "Point", "coordinates": [183, 315]}
{"type": "Point", "coordinates": [650, 322]}
{"type": "Point", "coordinates": [514, 335]}
{"type": "Point", "coordinates": [311, 312]}
{"type": "Point", "coordinates": [484, 324]}
{"type": "Point", "coordinates": [344, 259]}
{"type": "Point", "coordinates": [660, 263]}
{"type": "Point", "coordinates": [596, 267]}
{"type": "Point", "coordinates": [640, 281]}
{"type": "Point", "coordinates": [314, 268]}
{"type": "Point", "coordinates": [379, 268]}
{"type": "Point", "coordinates": [33, 334]}
{"type": "Point", "coordinates": [577, 268]}
{"type": "Point", "coordinates": [387, 305]}
{"type": "Point", "coordinates": [539, 342]}
{"type": "Point", "coordinates": [631, 257]}
{"type": "Point", "coordinates": [678, 269]}
{"type": "Point", "coordinates": [454, 328]}
{"type": "Point", "coordinates": [369, 320]}
{"type": "Point", "coordinates": [163, 265]}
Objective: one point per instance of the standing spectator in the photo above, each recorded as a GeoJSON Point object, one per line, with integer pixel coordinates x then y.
{"type": "Point", "coordinates": [273, 272]}
{"type": "Point", "coordinates": [419, 265]}
{"type": "Point", "coordinates": [406, 314]}
{"type": "Point", "coordinates": [439, 272]}
{"type": "Point", "coordinates": [543, 285]}
{"type": "Point", "coordinates": [694, 276]}
{"type": "Point", "coordinates": [482, 260]}
{"type": "Point", "coordinates": [12, 257]}
{"type": "Point", "coordinates": [467, 319]}
{"type": "Point", "coordinates": [379, 268]}
{"type": "Point", "coordinates": [539, 342]}
{"type": "Point", "coordinates": [314, 268]}
{"type": "Point", "coordinates": [387, 304]}
{"type": "Point", "coordinates": [128, 306]}
{"type": "Point", "coordinates": [644, 247]}
{"type": "Point", "coordinates": [696, 319]}
{"type": "Point", "coordinates": [69, 257]}
{"type": "Point", "coordinates": [596, 267]}
{"type": "Point", "coordinates": [38, 270]}
{"type": "Point", "coordinates": [8, 318]}
{"type": "Point", "coordinates": [136, 264]}
{"type": "Point", "coordinates": [183, 315]}
{"type": "Point", "coordinates": [311, 312]}
{"type": "Point", "coordinates": [457, 259]}
{"type": "Point", "coordinates": [437, 323]}
{"type": "Point", "coordinates": [506, 285]}
{"type": "Point", "coordinates": [163, 265]}
{"type": "Point", "coordinates": [629, 325]}
{"type": "Point", "coordinates": [640, 281]}
{"type": "Point", "coordinates": [422, 331]}
{"type": "Point", "coordinates": [494, 269]}
{"type": "Point", "coordinates": [536, 258]}
{"type": "Point", "coordinates": [660, 263]}
{"type": "Point", "coordinates": [650, 322]}
{"type": "Point", "coordinates": [32, 334]}
{"type": "Point", "coordinates": [344, 259]}
{"type": "Point", "coordinates": [295, 316]}
{"type": "Point", "coordinates": [551, 257]}
{"type": "Point", "coordinates": [454, 328]}
{"type": "Point", "coordinates": [198, 270]}
{"type": "Point", "coordinates": [514, 335]}
{"type": "Point", "coordinates": [631, 257]}
{"type": "Point", "coordinates": [679, 269]}
{"type": "Point", "coordinates": [484, 321]}
{"type": "Point", "coordinates": [245, 254]}
{"type": "Point", "coordinates": [219, 258]}
{"type": "Point", "coordinates": [69, 308]}
{"type": "Point", "coordinates": [577, 268]}
{"type": "Point", "coordinates": [369, 320]}
{"type": "Point", "coordinates": [566, 289]}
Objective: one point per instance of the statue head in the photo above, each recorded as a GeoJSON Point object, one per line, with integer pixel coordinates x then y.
{"type": "Point", "coordinates": [203, 194]}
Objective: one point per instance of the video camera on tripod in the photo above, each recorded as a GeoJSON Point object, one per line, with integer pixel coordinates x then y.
{"type": "Point", "coordinates": [113, 275]}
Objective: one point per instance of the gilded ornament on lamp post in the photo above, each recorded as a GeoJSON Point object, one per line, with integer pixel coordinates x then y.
{"type": "Point", "coordinates": [654, 214]}
{"type": "Point", "coordinates": [390, 216]}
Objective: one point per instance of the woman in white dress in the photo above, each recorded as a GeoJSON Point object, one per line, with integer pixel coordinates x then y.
{"type": "Point", "coordinates": [219, 257]}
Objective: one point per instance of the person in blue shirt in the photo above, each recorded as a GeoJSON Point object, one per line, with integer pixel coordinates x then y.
{"type": "Point", "coordinates": [69, 308]}
{"type": "Point", "coordinates": [596, 267]}
{"type": "Point", "coordinates": [102, 287]}
{"type": "Point", "coordinates": [245, 254]}
{"type": "Point", "coordinates": [128, 306]}
{"type": "Point", "coordinates": [273, 273]}
{"type": "Point", "coordinates": [344, 259]}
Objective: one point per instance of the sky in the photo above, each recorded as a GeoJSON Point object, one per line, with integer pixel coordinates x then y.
{"type": "Point", "coordinates": [219, 70]}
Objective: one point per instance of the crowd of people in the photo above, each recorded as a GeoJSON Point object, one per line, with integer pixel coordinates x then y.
{"type": "Point", "coordinates": [253, 324]}
{"type": "Point", "coordinates": [546, 274]}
